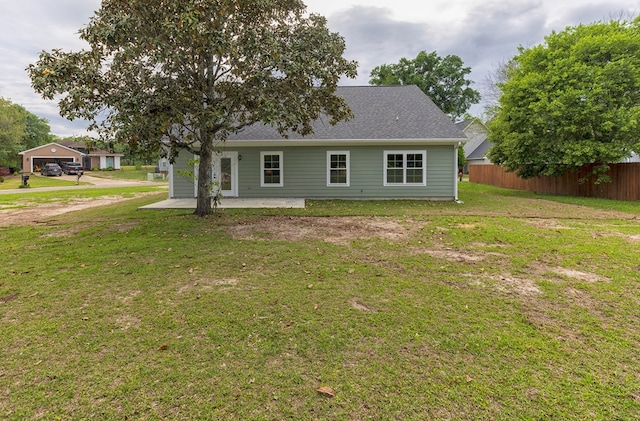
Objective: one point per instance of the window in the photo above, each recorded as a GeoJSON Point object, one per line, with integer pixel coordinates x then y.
{"type": "Point", "coordinates": [405, 168]}
{"type": "Point", "coordinates": [338, 169]}
{"type": "Point", "coordinates": [271, 171]}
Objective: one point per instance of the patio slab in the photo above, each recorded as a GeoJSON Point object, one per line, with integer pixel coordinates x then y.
{"type": "Point", "coordinates": [230, 203]}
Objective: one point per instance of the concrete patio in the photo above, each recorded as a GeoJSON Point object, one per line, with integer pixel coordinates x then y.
{"type": "Point", "coordinates": [230, 203]}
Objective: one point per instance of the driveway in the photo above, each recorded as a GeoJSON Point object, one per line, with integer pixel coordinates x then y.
{"type": "Point", "coordinates": [96, 182]}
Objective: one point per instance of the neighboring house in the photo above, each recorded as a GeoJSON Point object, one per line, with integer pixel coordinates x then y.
{"type": "Point", "coordinates": [95, 158]}
{"type": "Point", "coordinates": [35, 158]}
{"type": "Point", "coordinates": [399, 145]}
{"type": "Point", "coordinates": [475, 150]}
{"type": "Point", "coordinates": [633, 158]}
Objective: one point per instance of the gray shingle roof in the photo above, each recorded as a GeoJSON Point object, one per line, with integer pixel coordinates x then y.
{"type": "Point", "coordinates": [480, 151]}
{"type": "Point", "coordinates": [381, 112]}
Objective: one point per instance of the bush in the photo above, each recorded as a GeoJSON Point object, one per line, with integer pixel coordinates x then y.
{"type": "Point", "coordinates": [4, 172]}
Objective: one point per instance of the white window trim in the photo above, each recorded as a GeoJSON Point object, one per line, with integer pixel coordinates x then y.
{"type": "Point", "coordinates": [404, 169]}
{"type": "Point", "coordinates": [281, 160]}
{"type": "Point", "coordinates": [348, 155]}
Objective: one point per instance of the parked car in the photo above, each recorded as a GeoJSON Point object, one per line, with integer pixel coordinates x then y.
{"type": "Point", "coordinates": [51, 169]}
{"type": "Point", "coordinates": [72, 168]}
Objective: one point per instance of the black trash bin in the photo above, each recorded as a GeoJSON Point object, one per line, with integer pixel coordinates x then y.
{"type": "Point", "coordinates": [25, 179]}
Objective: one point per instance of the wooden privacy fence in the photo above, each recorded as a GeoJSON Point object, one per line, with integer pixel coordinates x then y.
{"type": "Point", "coordinates": [625, 181]}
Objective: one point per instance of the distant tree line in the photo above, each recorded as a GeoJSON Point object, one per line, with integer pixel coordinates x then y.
{"type": "Point", "coordinates": [20, 130]}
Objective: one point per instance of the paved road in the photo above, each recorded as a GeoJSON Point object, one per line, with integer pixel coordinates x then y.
{"type": "Point", "coordinates": [96, 182]}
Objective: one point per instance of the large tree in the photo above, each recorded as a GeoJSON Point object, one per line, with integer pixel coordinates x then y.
{"type": "Point", "coordinates": [19, 130]}
{"type": "Point", "coordinates": [574, 100]}
{"type": "Point", "coordinates": [441, 78]}
{"type": "Point", "coordinates": [185, 74]}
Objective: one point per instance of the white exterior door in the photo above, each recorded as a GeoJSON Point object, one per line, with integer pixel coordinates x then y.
{"type": "Point", "coordinates": [225, 173]}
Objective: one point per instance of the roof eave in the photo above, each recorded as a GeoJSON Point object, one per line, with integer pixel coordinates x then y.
{"type": "Point", "coordinates": [343, 142]}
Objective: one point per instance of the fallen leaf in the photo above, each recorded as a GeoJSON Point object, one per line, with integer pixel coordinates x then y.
{"type": "Point", "coordinates": [191, 271]}
{"type": "Point", "coordinates": [315, 306]}
{"type": "Point", "coordinates": [326, 391]}
{"type": "Point", "coordinates": [352, 270]}
{"type": "Point", "coordinates": [163, 347]}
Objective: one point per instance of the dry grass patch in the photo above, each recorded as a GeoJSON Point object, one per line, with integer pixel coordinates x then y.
{"type": "Point", "coordinates": [206, 284]}
{"type": "Point", "coordinates": [579, 275]}
{"type": "Point", "coordinates": [337, 230]}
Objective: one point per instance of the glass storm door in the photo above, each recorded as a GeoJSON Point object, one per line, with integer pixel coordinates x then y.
{"type": "Point", "coordinates": [225, 173]}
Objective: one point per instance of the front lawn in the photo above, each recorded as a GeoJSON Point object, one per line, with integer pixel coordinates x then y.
{"type": "Point", "coordinates": [138, 173]}
{"type": "Point", "coordinates": [509, 306]}
{"type": "Point", "coordinates": [36, 180]}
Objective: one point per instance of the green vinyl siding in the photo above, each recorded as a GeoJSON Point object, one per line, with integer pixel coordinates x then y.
{"type": "Point", "coordinates": [304, 172]}
{"type": "Point", "coordinates": [183, 186]}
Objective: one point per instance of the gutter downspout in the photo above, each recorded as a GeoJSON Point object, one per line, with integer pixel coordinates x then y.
{"type": "Point", "coordinates": [455, 173]}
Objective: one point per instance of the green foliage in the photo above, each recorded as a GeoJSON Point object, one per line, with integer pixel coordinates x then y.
{"type": "Point", "coordinates": [570, 102]}
{"type": "Point", "coordinates": [19, 130]}
{"type": "Point", "coordinates": [462, 160]}
{"type": "Point", "coordinates": [441, 78]}
{"type": "Point", "coordinates": [166, 75]}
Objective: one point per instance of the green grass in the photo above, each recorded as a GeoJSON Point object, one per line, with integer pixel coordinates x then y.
{"type": "Point", "coordinates": [509, 306]}
{"type": "Point", "coordinates": [35, 180]}
{"type": "Point", "coordinates": [24, 198]}
{"type": "Point", "coordinates": [127, 173]}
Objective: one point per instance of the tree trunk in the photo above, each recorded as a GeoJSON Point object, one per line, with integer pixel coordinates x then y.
{"type": "Point", "coordinates": [203, 205]}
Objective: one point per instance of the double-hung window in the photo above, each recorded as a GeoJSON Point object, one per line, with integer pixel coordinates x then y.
{"type": "Point", "coordinates": [271, 169]}
{"type": "Point", "coordinates": [405, 168]}
{"type": "Point", "coordinates": [338, 169]}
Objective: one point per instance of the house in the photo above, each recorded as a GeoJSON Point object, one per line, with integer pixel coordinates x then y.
{"type": "Point", "coordinates": [35, 158]}
{"type": "Point", "coordinates": [399, 145]}
{"type": "Point", "coordinates": [475, 150]}
{"type": "Point", "coordinates": [69, 151]}
{"type": "Point", "coordinates": [95, 158]}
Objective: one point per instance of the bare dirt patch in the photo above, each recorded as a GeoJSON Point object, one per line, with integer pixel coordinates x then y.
{"type": "Point", "coordinates": [339, 230]}
{"type": "Point", "coordinates": [506, 283]}
{"type": "Point", "coordinates": [127, 321]}
{"type": "Point", "coordinates": [454, 255]}
{"type": "Point", "coordinates": [207, 284]}
{"type": "Point", "coordinates": [552, 224]}
{"type": "Point", "coordinates": [7, 298]}
{"type": "Point", "coordinates": [579, 275]}
{"type": "Point", "coordinates": [359, 306]}
{"type": "Point", "coordinates": [34, 214]}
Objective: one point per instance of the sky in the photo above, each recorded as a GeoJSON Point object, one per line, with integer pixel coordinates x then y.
{"type": "Point", "coordinates": [483, 34]}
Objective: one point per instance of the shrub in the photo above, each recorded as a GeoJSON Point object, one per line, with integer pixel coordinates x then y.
{"type": "Point", "coordinates": [4, 172]}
